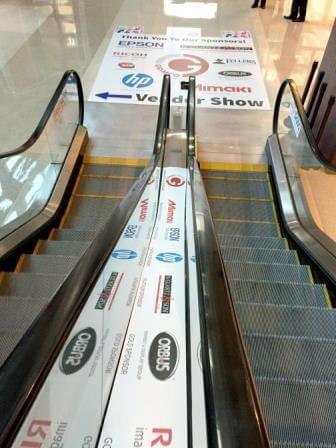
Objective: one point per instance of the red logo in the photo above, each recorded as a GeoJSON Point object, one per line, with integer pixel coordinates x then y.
{"type": "Point", "coordinates": [171, 211]}
{"type": "Point", "coordinates": [143, 210]}
{"type": "Point", "coordinates": [36, 433]}
{"type": "Point", "coordinates": [175, 181]}
{"type": "Point", "coordinates": [182, 65]}
{"type": "Point", "coordinates": [163, 436]}
{"type": "Point", "coordinates": [126, 65]}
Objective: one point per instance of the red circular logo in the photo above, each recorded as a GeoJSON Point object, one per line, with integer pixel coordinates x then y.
{"type": "Point", "coordinates": [175, 181]}
{"type": "Point", "coordinates": [182, 65]}
{"type": "Point", "coordinates": [126, 65]}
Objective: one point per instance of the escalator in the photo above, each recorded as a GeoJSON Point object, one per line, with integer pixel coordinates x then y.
{"type": "Point", "coordinates": [167, 306]}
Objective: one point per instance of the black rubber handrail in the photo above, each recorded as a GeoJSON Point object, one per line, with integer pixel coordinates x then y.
{"type": "Point", "coordinates": [25, 371]}
{"type": "Point", "coordinates": [48, 112]}
{"type": "Point", "coordinates": [303, 118]}
{"type": "Point", "coordinates": [234, 416]}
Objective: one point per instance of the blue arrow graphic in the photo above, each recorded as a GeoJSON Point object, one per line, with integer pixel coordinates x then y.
{"type": "Point", "coordinates": [106, 95]}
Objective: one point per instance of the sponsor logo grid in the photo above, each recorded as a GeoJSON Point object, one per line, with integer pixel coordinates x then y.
{"type": "Point", "coordinates": [227, 70]}
{"type": "Point", "coordinates": [152, 370]}
{"type": "Point", "coordinates": [85, 368]}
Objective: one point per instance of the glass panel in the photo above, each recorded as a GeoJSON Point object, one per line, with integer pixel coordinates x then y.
{"type": "Point", "coordinates": [310, 181]}
{"type": "Point", "coordinates": [28, 179]}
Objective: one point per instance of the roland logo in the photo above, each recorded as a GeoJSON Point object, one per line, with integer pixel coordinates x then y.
{"type": "Point", "coordinates": [163, 356]}
{"type": "Point", "coordinates": [78, 351]}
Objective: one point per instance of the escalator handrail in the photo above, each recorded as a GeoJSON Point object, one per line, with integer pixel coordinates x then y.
{"type": "Point", "coordinates": [49, 111]}
{"type": "Point", "coordinates": [303, 118]}
{"type": "Point", "coordinates": [213, 285]}
{"type": "Point", "coordinates": [164, 115]}
{"type": "Point", "coordinates": [20, 378]}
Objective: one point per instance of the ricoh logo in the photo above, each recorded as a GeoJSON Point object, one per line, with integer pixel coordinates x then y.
{"type": "Point", "coordinates": [37, 432]}
{"type": "Point", "coordinates": [227, 89]}
{"type": "Point", "coordinates": [78, 351]}
{"type": "Point", "coordinates": [143, 210]}
{"type": "Point", "coordinates": [137, 80]}
{"type": "Point", "coordinates": [163, 356]}
{"type": "Point", "coordinates": [174, 234]}
{"type": "Point", "coordinates": [171, 211]}
{"type": "Point", "coordinates": [130, 231]}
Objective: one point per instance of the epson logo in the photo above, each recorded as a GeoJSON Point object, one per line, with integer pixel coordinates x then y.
{"type": "Point", "coordinates": [174, 234]}
{"type": "Point", "coordinates": [163, 356]}
{"type": "Point", "coordinates": [171, 211]}
{"type": "Point", "coordinates": [78, 351]}
{"type": "Point", "coordinates": [130, 231]}
{"type": "Point", "coordinates": [143, 210]}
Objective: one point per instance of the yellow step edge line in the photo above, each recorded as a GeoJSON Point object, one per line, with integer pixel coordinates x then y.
{"type": "Point", "coordinates": [99, 196]}
{"type": "Point", "coordinates": [52, 233]}
{"type": "Point", "coordinates": [219, 166]}
{"type": "Point", "coordinates": [274, 212]}
{"type": "Point", "coordinates": [2, 276]}
{"type": "Point", "coordinates": [286, 243]}
{"type": "Point", "coordinates": [67, 211]}
{"type": "Point", "coordinates": [243, 220]}
{"type": "Point", "coordinates": [327, 296]}
{"type": "Point", "coordinates": [310, 275]}
{"type": "Point", "coordinates": [270, 190]}
{"type": "Point", "coordinates": [205, 177]}
{"type": "Point", "coordinates": [98, 160]}
{"type": "Point", "coordinates": [78, 179]}
{"type": "Point", "coordinates": [37, 247]}
{"type": "Point", "coordinates": [100, 176]}
{"type": "Point", "coordinates": [233, 198]}
{"type": "Point", "coordinates": [278, 228]}
{"type": "Point", "coordinates": [20, 262]}
{"type": "Point", "coordinates": [297, 257]}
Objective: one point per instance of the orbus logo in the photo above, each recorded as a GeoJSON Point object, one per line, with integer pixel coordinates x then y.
{"type": "Point", "coordinates": [126, 65]}
{"type": "Point", "coordinates": [163, 356]}
{"type": "Point", "coordinates": [182, 65]}
{"type": "Point", "coordinates": [78, 351]}
{"type": "Point", "coordinates": [137, 80]}
{"type": "Point", "coordinates": [175, 181]}
{"type": "Point", "coordinates": [124, 254]}
{"type": "Point", "coordinates": [169, 257]}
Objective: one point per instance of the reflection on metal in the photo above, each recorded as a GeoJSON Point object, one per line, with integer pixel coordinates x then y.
{"type": "Point", "coordinates": [32, 221]}
{"type": "Point", "coordinates": [297, 218]}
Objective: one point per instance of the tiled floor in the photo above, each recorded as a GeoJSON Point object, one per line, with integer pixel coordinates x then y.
{"type": "Point", "coordinates": [39, 39]}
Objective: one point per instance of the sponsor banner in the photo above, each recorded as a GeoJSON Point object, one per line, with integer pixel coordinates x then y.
{"type": "Point", "coordinates": [152, 370]}
{"type": "Point", "coordinates": [197, 385]}
{"type": "Point", "coordinates": [226, 68]}
{"type": "Point", "coordinates": [72, 401]}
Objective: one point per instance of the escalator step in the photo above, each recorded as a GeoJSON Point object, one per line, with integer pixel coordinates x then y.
{"type": "Point", "coordinates": [278, 293]}
{"type": "Point", "coordinates": [30, 285]}
{"type": "Point", "coordinates": [286, 273]}
{"type": "Point", "coordinates": [91, 223]}
{"type": "Point", "coordinates": [82, 206]}
{"type": "Point", "coordinates": [96, 186]}
{"type": "Point", "coordinates": [292, 358]}
{"type": "Point", "coordinates": [251, 241]}
{"type": "Point", "coordinates": [252, 255]}
{"type": "Point", "coordinates": [66, 248]}
{"type": "Point", "coordinates": [287, 320]}
{"type": "Point", "coordinates": [249, 175]}
{"type": "Point", "coordinates": [246, 228]}
{"type": "Point", "coordinates": [299, 414]}
{"type": "Point", "coordinates": [238, 189]}
{"type": "Point", "coordinates": [48, 264]}
{"type": "Point", "coordinates": [8, 340]}
{"type": "Point", "coordinates": [242, 210]}
{"type": "Point", "coordinates": [111, 170]}
{"type": "Point", "coordinates": [73, 235]}
{"type": "Point", "coordinates": [19, 312]}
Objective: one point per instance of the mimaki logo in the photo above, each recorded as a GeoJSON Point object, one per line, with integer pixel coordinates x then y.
{"type": "Point", "coordinates": [105, 294]}
{"type": "Point", "coordinates": [169, 257]}
{"type": "Point", "coordinates": [163, 356]}
{"type": "Point", "coordinates": [143, 210]}
{"type": "Point", "coordinates": [171, 211]}
{"type": "Point", "coordinates": [78, 351]}
{"type": "Point", "coordinates": [235, 74]}
{"type": "Point", "coordinates": [175, 181]}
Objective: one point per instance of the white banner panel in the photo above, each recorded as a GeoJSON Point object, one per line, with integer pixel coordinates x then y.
{"type": "Point", "coordinates": [226, 68]}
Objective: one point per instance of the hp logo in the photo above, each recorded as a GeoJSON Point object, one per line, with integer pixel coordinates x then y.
{"type": "Point", "coordinates": [169, 257]}
{"type": "Point", "coordinates": [137, 80]}
{"type": "Point", "coordinates": [124, 254]}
